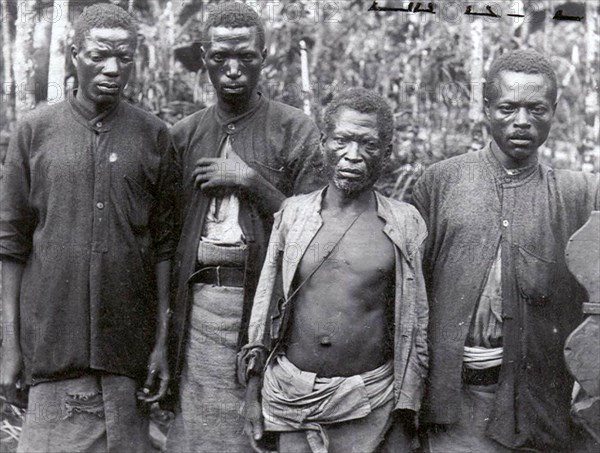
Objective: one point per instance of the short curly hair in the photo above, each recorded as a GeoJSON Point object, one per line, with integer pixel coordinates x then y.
{"type": "Point", "coordinates": [363, 101]}
{"type": "Point", "coordinates": [103, 15]}
{"type": "Point", "coordinates": [525, 61]}
{"type": "Point", "coordinates": [232, 15]}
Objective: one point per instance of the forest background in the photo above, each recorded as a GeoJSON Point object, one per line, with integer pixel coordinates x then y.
{"type": "Point", "coordinates": [430, 67]}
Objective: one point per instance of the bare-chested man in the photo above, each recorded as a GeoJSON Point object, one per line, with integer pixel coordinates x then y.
{"type": "Point", "coordinates": [348, 347]}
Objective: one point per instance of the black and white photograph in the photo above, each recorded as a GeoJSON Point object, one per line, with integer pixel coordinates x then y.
{"type": "Point", "coordinates": [299, 226]}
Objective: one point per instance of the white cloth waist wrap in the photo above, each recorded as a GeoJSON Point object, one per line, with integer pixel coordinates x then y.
{"type": "Point", "coordinates": [296, 400]}
{"type": "Point", "coordinates": [480, 358]}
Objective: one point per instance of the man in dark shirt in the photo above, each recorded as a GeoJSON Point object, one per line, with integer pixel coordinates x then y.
{"type": "Point", "coordinates": [502, 301]}
{"type": "Point", "coordinates": [85, 241]}
{"type": "Point", "coordinates": [239, 158]}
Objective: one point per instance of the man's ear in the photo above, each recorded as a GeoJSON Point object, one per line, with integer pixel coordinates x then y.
{"type": "Point", "coordinates": [264, 54]}
{"type": "Point", "coordinates": [322, 140]}
{"type": "Point", "coordinates": [486, 107]}
{"type": "Point", "coordinates": [203, 55]}
{"type": "Point", "coordinates": [74, 53]}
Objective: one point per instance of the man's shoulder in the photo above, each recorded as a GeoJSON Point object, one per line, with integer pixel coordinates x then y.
{"type": "Point", "coordinates": [286, 114]}
{"type": "Point", "coordinates": [400, 209]}
{"type": "Point", "coordinates": [45, 114]}
{"type": "Point", "coordinates": [149, 120]}
{"type": "Point", "coordinates": [189, 123]}
{"type": "Point", "coordinates": [300, 201]}
{"type": "Point", "coordinates": [575, 182]}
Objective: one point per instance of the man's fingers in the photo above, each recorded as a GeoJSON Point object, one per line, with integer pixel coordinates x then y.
{"type": "Point", "coordinates": [149, 381]}
{"type": "Point", "coordinates": [162, 391]}
{"type": "Point", "coordinates": [257, 430]}
{"type": "Point", "coordinates": [257, 448]}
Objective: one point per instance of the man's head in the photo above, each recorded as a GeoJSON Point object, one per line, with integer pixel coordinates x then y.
{"type": "Point", "coordinates": [103, 48]}
{"type": "Point", "coordinates": [234, 51]}
{"type": "Point", "coordinates": [357, 139]}
{"type": "Point", "coordinates": [520, 100]}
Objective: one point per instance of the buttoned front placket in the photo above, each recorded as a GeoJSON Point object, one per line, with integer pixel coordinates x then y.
{"type": "Point", "coordinates": [100, 151]}
{"type": "Point", "coordinates": [513, 309]}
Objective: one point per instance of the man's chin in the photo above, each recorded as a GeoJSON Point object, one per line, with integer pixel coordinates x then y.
{"type": "Point", "coordinates": [351, 188]}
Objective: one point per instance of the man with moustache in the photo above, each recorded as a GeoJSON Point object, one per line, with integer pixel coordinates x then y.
{"type": "Point", "coordinates": [502, 301]}
{"type": "Point", "coordinates": [85, 240]}
{"type": "Point", "coordinates": [240, 158]}
{"type": "Point", "coordinates": [350, 342]}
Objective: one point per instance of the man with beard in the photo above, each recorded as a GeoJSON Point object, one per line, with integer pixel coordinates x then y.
{"type": "Point", "coordinates": [240, 158]}
{"type": "Point", "coordinates": [85, 240]}
{"type": "Point", "coordinates": [502, 301]}
{"type": "Point", "coordinates": [350, 346]}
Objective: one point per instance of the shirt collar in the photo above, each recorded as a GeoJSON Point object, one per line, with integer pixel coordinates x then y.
{"type": "Point", "coordinates": [101, 122]}
{"type": "Point", "coordinates": [500, 172]}
{"type": "Point", "coordinates": [232, 125]}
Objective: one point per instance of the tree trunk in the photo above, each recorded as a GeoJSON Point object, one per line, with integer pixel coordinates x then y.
{"type": "Point", "coordinates": [476, 72]}
{"type": "Point", "coordinates": [23, 64]}
{"type": "Point", "coordinates": [592, 104]}
{"type": "Point", "coordinates": [8, 91]}
{"type": "Point", "coordinates": [58, 52]}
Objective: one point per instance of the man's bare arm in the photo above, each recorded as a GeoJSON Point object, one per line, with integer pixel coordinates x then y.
{"type": "Point", "coordinates": [253, 426]}
{"type": "Point", "coordinates": [12, 274]}
{"type": "Point", "coordinates": [158, 364]}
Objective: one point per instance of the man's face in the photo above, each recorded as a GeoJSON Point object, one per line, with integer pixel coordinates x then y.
{"type": "Point", "coordinates": [520, 115]}
{"type": "Point", "coordinates": [234, 61]}
{"type": "Point", "coordinates": [103, 64]}
{"type": "Point", "coordinates": [353, 152]}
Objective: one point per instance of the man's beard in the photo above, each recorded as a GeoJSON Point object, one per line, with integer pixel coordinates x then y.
{"type": "Point", "coordinates": [350, 186]}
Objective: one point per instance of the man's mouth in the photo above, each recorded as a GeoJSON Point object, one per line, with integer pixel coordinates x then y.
{"type": "Point", "coordinates": [233, 89]}
{"type": "Point", "coordinates": [108, 87]}
{"type": "Point", "coordinates": [350, 173]}
{"type": "Point", "coordinates": [520, 140]}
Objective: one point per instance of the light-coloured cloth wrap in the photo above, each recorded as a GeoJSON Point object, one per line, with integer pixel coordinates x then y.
{"type": "Point", "coordinates": [209, 418]}
{"type": "Point", "coordinates": [296, 400]}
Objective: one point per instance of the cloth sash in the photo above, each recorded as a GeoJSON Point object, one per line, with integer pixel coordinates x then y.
{"type": "Point", "coordinates": [480, 358]}
{"type": "Point", "coordinates": [295, 400]}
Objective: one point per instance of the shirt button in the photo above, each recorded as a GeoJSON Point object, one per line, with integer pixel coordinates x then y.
{"type": "Point", "coordinates": [505, 223]}
{"type": "Point", "coordinates": [100, 205]}
{"type": "Point", "coordinates": [231, 126]}
{"type": "Point", "coordinates": [99, 124]}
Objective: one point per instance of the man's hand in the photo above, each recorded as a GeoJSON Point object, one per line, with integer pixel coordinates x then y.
{"type": "Point", "coordinates": [12, 364]}
{"type": "Point", "coordinates": [253, 424]}
{"type": "Point", "coordinates": [158, 367]}
{"type": "Point", "coordinates": [213, 173]}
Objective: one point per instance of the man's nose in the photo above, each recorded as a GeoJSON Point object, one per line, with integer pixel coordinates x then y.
{"type": "Point", "coordinates": [111, 66]}
{"type": "Point", "coordinates": [233, 69]}
{"type": "Point", "coordinates": [522, 119]}
{"type": "Point", "coordinates": [352, 153]}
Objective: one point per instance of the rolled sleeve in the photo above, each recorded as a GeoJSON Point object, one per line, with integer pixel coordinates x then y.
{"type": "Point", "coordinates": [17, 219]}
{"type": "Point", "coordinates": [165, 215]}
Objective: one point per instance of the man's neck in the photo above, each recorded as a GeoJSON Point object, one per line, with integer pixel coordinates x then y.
{"type": "Point", "coordinates": [339, 200]}
{"type": "Point", "coordinates": [92, 108]}
{"type": "Point", "coordinates": [233, 109]}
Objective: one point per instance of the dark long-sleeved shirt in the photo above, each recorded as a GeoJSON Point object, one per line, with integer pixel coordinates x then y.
{"type": "Point", "coordinates": [472, 207]}
{"type": "Point", "coordinates": [86, 207]}
{"type": "Point", "coordinates": [281, 144]}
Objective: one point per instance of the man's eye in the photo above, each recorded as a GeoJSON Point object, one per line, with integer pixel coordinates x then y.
{"type": "Point", "coordinates": [372, 146]}
{"type": "Point", "coordinates": [96, 58]}
{"type": "Point", "coordinates": [340, 141]}
{"type": "Point", "coordinates": [506, 108]}
{"type": "Point", "coordinates": [126, 59]}
{"type": "Point", "coordinates": [539, 110]}
{"type": "Point", "coordinates": [248, 57]}
{"type": "Point", "coordinates": [219, 58]}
